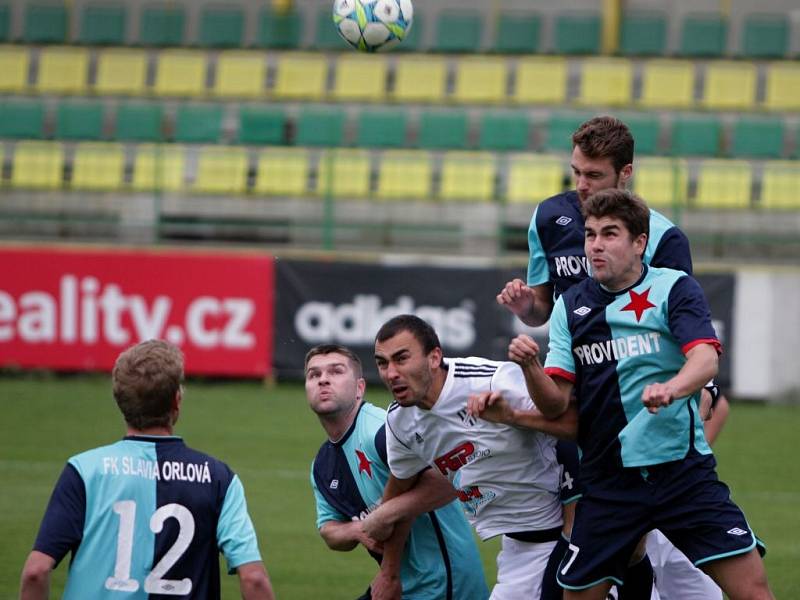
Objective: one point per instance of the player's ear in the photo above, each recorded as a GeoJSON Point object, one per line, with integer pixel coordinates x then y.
{"type": "Point", "coordinates": [361, 385]}
{"type": "Point", "coordinates": [435, 358]}
{"type": "Point", "coordinates": [625, 175]}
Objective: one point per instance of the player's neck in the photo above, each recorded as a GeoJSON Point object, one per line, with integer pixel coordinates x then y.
{"type": "Point", "coordinates": [435, 390]}
{"type": "Point", "coordinates": [338, 424]}
{"type": "Point", "coordinates": [157, 431]}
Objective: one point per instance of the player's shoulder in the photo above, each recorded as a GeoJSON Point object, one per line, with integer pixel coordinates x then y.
{"type": "Point", "coordinates": [660, 221]}
{"type": "Point", "coordinates": [472, 366]}
{"type": "Point", "coordinates": [556, 206]}
{"type": "Point", "coordinates": [666, 274]}
{"type": "Point", "coordinates": [372, 414]}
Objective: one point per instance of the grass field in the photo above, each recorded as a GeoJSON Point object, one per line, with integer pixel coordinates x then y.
{"type": "Point", "coordinates": [269, 437]}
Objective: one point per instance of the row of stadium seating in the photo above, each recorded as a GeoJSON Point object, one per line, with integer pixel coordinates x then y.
{"type": "Point", "coordinates": [392, 174]}
{"type": "Point", "coordinates": [681, 134]}
{"type": "Point", "coordinates": [594, 81]}
{"type": "Point", "coordinates": [641, 33]}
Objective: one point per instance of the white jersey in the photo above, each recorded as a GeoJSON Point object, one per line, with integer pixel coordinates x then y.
{"type": "Point", "coordinates": [507, 478]}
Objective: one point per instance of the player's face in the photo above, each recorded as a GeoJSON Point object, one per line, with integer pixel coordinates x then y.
{"type": "Point", "coordinates": [593, 175]}
{"type": "Point", "coordinates": [406, 370]}
{"type": "Point", "coordinates": [332, 386]}
{"type": "Point", "coordinates": [614, 256]}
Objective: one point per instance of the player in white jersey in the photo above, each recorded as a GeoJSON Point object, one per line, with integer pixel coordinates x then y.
{"type": "Point", "coordinates": [506, 478]}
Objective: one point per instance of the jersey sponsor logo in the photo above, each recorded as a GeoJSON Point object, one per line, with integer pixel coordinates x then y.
{"type": "Point", "coordinates": [563, 220]}
{"type": "Point", "coordinates": [465, 418]}
{"type": "Point", "coordinates": [639, 303]}
{"type": "Point", "coordinates": [455, 458]}
{"type": "Point", "coordinates": [418, 438]}
{"type": "Point", "coordinates": [169, 470]}
{"type": "Point", "coordinates": [473, 498]}
{"type": "Point", "coordinates": [571, 265]}
{"type": "Point", "coordinates": [737, 531]}
{"type": "Point", "coordinates": [618, 348]}
{"type": "Point", "coordinates": [582, 311]}
{"type": "Point", "coordinates": [364, 464]}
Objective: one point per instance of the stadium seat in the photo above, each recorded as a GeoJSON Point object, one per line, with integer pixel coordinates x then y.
{"type": "Point", "coordinates": [221, 27]}
{"type": "Point", "coordinates": [45, 23]}
{"type": "Point", "coordinates": [703, 35]}
{"type": "Point", "coordinates": [360, 78]}
{"type": "Point", "coordinates": [468, 176]}
{"type": "Point", "coordinates": [98, 166]}
{"type": "Point", "coordinates": [645, 128]}
{"type": "Point", "coordinates": [559, 129]}
{"type": "Point", "coordinates": [404, 175]}
{"type": "Point", "coordinates": [21, 119]}
{"type": "Point", "coordinates": [37, 165]}
{"type": "Point", "coordinates": [326, 37]}
{"type": "Point", "coordinates": [765, 36]}
{"type": "Point", "coordinates": [240, 74]}
{"type": "Point", "coordinates": [221, 170]}
{"type": "Point", "coordinates": [517, 33]}
{"type": "Point", "coordinates": [262, 125]}
{"type": "Point", "coordinates": [103, 24]}
{"type": "Point", "coordinates": [696, 136]}
{"type": "Point", "coordinates": [159, 167]}
{"type": "Point", "coordinates": [667, 84]}
{"type": "Point", "coordinates": [63, 70]}
{"type": "Point", "coordinates": [320, 127]}
{"type": "Point", "coordinates": [541, 80]}
{"type": "Point", "coordinates": [442, 129]}
{"type": "Point", "coordinates": [14, 62]}
{"type": "Point", "coordinates": [79, 120]}
{"type": "Point", "coordinates": [121, 71]}
{"type": "Point", "coordinates": [504, 131]}
{"type": "Point", "coordinates": [282, 172]}
{"type": "Point", "coordinates": [643, 33]}
{"type": "Point", "coordinates": [730, 86]}
{"type": "Point", "coordinates": [783, 86]}
{"type": "Point", "coordinates": [480, 80]}
{"type": "Point", "coordinates": [198, 123]}
{"type": "Point", "coordinates": [5, 22]}
{"type": "Point", "coordinates": [162, 25]}
{"type": "Point", "coordinates": [180, 73]}
{"type": "Point", "coordinates": [420, 79]}
{"type": "Point", "coordinates": [139, 122]}
{"type": "Point", "coordinates": [279, 29]}
{"type": "Point", "coordinates": [758, 138]}
{"type": "Point", "coordinates": [662, 182]}
{"type": "Point", "coordinates": [577, 33]}
{"type": "Point", "coordinates": [724, 184]}
{"type": "Point", "coordinates": [534, 177]}
{"type": "Point", "coordinates": [301, 76]}
{"type": "Point", "coordinates": [606, 82]}
{"type": "Point", "coordinates": [344, 173]}
{"type": "Point", "coordinates": [458, 31]}
{"type": "Point", "coordinates": [385, 128]}
{"type": "Point", "coordinates": [780, 183]}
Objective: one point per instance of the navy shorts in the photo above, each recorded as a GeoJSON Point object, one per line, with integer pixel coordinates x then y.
{"type": "Point", "coordinates": [568, 460]}
{"type": "Point", "coordinates": [684, 499]}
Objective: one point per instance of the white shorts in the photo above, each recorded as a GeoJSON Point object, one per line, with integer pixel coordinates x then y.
{"type": "Point", "coordinates": [675, 577]}
{"type": "Point", "coordinates": [520, 568]}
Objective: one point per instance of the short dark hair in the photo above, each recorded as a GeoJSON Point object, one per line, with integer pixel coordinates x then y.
{"type": "Point", "coordinates": [605, 137]}
{"type": "Point", "coordinates": [145, 381]}
{"type": "Point", "coordinates": [421, 330]}
{"type": "Point", "coordinates": [621, 204]}
{"type": "Point", "coordinates": [324, 349]}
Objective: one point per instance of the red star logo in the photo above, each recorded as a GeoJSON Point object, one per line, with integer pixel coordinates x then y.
{"type": "Point", "coordinates": [364, 464]}
{"type": "Point", "coordinates": [639, 303]}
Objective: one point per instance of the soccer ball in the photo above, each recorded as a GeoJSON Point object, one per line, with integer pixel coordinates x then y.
{"type": "Point", "coordinates": [371, 25]}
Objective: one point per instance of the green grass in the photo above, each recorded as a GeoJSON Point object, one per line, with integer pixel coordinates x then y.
{"type": "Point", "coordinates": [269, 437]}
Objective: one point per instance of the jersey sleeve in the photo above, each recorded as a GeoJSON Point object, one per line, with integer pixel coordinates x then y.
{"type": "Point", "coordinates": [560, 361]}
{"type": "Point", "coordinates": [380, 444]}
{"type": "Point", "coordinates": [509, 380]}
{"type": "Point", "coordinates": [538, 273]}
{"type": "Point", "coordinates": [403, 463]}
{"type": "Point", "coordinates": [325, 512]}
{"type": "Point", "coordinates": [673, 251]}
{"type": "Point", "coordinates": [236, 536]}
{"type": "Point", "coordinates": [689, 316]}
{"type": "Point", "coordinates": [62, 526]}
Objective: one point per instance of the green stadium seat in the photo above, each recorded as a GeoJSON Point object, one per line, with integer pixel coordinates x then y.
{"type": "Point", "coordinates": [326, 37]}
{"type": "Point", "coordinates": [696, 136]}
{"type": "Point", "coordinates": [704, 35]}
{"type": "Point", "coordinates": [443, 129]}
{"type": "Point", "coordinates": [139, 122]}
{"type": "Point", "coordinates": [577, 33]}
{"type": "Point", "coordinates": [79, 120]}
{"type": "Point", "coordinates": [645, 129]}
{"type": "Point", "coordinates": [198, 123]}
{"type": "Point", "coordinates": [162, 25]}
{"type": "Point", "coordinates": [517, 33]}
{"type": "Point", "coordinates": [643, 33]}
{"type": "Point", "coordinates": [320, 127]}
{"type": "Point", "coordinates": [45, 23]}
{"type": "Point", "coordinates": [5, 22]}
{"type": "Point", "coordinates": [21, 119]}
{"type": "Point", "coordinates": [504, 131]}
{"type": "Point", "coordinates": [221, 27]}
{"type": "Point", "coordinates": [103, 24]}
{"type": "Point", "coordinates": [260, 125]}
{"type": "Point", "coordinates": [382, 128]}
{"type": "Point", "coordinates": [458, 31]}
{"type": "Point", "coordinates": [765, 36]}
{"type": "Point", "coordinates": [277, 29]}
{"type": "Point", "coordinates": [757, 138]}
{"type": "Point", "coordinates": [559, 129]}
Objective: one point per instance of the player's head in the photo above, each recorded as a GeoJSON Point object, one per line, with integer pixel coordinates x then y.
{"type": "Point", "coordinates": [408, 355]}
{"type": "Point", "coordinates": [334, 381]}
{"type": "Point", "coordinates": [602, 156]}
{"type": "Point", "coordinates": [617, 225]}
{"type": "Point", "coordinates": [147, 382]}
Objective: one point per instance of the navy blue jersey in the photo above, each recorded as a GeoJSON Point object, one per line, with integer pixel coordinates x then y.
{"type": "Point", "coordinates": [556, 243]}
{"type": "Point", "coordinates": [147, 516]}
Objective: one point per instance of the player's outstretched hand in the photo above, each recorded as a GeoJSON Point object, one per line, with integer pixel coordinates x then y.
{"type": "Point", "coordinates": [376, 527]}
{"type": "Point", "coordinates": [490, 406]}
{"type": "Point", "coordinates": [656, 396]}
{"type": "Point", "coordinates": [517, 297]}
{"type": "Point", "coordinates": [523, 350]}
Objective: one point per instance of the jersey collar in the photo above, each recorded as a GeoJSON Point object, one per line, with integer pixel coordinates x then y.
{"type": "Point", "coordinates": [350, 429]}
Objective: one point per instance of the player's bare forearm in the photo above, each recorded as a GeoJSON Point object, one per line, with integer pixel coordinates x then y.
{"type": "Point", "coordinates": [564, 427]}
{"type": "Point", "coordinates": [702, 363]}
{"type": "Point", "coordinates": [35, 581]}
{"type": "Point", "coordinates": [386, 584]}
{"type": "Point", "coordinates": [551, 394]}
{"type": "Point", "coordinates": [431, 491]}
{"type": "Point", "coordinates": [345, 535]}
{"type": "Point", "coordinates": [254, 582]}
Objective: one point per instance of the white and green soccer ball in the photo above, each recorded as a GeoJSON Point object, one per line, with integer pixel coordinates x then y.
{"type": "Point", "coordinates": [372, 25]}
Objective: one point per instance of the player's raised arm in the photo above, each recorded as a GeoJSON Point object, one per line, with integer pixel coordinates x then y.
{"type": "Point", "coordinates": [532, 305]}
{"type": "Point", "coordinates": [552, 394]}
{"type": "Point", "coordinates": [491, 406]}
{"type": "Point", "coordinates": [702, 363]}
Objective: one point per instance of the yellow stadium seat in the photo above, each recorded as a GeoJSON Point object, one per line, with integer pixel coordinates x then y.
{"type": "Point", "coordinates": [360, 78]}
{"type": "Point", "coordinates": [783, 86]}
{"type": "Point", "coordinates": [468, 176]}
{"type": "Point", "coordinates": [14, 62]}
{"type": "Point", "coordinates": [780, 185]}
{"type": "Point", "coordinates": [181, 73]}
{"type": "Point", "coordinates": [344, 173]}
{"type": "Point", "coordinates": [282, 172]}
{"type": "Point", "coordinates": [159, 167]}
{"type": "Point", "coordinates": [541, 80]}
{"type": "Point", "coordinates": [404, 174]}
{"type": "Point", "coordinates": [63, 70]}
{"type": "Point", "coordinates": [240, 74]}
{"type": "Point", "coordinates": [38, 165]}
{"type": "Point", "coordinates": [98, 166]}
{"type": "Point", "coordinates": [532, 177]}
{"type": "Point", "coordinates": [301, 76]}
{"type": "Point", "coordinates": [667, 83]}
{"type": "Point", "coordinates": [221, 170]}
{"type": "Point", "coordinates": [480, 80]}
{"type": "Point", "coordinates": [730, 85]}
{"type": "Point", "coordinates": [724, 184]}
{"type": "Point", "coordinates": [606, 82]}
{"type": "Point", "coordinates": [420, 79]}
{"type": "Point", "coordinates": [121, 71]}
{"type": "Point", "coordinates": [661, 181]}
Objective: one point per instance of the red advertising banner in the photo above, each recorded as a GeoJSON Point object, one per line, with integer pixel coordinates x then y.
{"type": "Point", "coordinates": [78, 309]}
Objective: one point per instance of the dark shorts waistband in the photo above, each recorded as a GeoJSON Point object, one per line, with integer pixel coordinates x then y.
{"type": "Point", "coordinates": [536, 537]}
